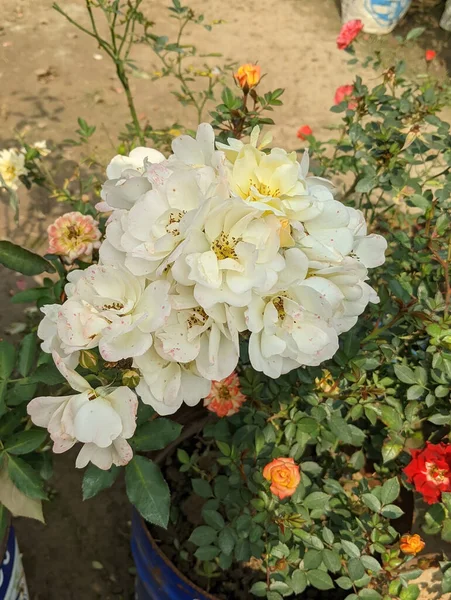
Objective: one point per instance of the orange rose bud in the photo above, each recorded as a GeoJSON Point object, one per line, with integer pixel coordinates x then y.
{"type": "Point", "coordinates": [283, 473]}
{"type": "Point", "coordinates": [248, 76]}
{"type": "Point", "coordinates": [411, 544]}
{"type": "Point", "coordinates": [430, 55]}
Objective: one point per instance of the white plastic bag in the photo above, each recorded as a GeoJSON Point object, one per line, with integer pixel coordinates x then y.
{"type": "Point", "coordinates": [377, 16]}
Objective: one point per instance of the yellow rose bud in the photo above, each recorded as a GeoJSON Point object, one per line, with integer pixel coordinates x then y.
{"type": "Point", "coordinates": [411, 544]}
{"type": "Point", "coordinates": [88, 359]}
{"type": "Point", "coordinates": [130, 378]}
{"type": "Point", "coordinates": [248, 76]}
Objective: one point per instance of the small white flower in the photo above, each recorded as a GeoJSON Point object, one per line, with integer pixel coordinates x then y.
{"type": "Point", "coordinates": [290, 330]}
{"type": "Point", "coordinates": [12, 166]}
{"type": "Point", "coordinates": [102, 419]}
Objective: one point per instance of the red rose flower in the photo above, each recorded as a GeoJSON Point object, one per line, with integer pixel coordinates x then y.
{"type": "Point", "coordinates": [430, 55]}
{"type": "Point", "coordinates": [348, 33]}
{"type": "Point", "coordinates": [430, 471]}
{"type": "Point", "coordinates": [303, 131]}
{"type": "Point", "coordinates": [344, 92]}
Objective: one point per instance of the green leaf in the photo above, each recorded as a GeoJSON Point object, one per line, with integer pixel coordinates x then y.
{"type": "Point", "coordinates": [365, 185]}
{"type": "Point", "coordinates": [203, 535]}
{"type": "Point", "coordinates": [370, 563]}
{"type": "Point", "coordinates": [281, 587]}
{"type": "Point", "coordinates": [316, 500]}
{"type": "Point", "coordinates": [202, 488]}
{"type": "Point", "coordinates": [391, 417]}
{"type": "Point", "coordinates": [413, 34]}
{"type": "Point", "coordinates": [242, 550]}
{"type": "Point", "coordinates": [18, 259]}
{"type": "Point", "coordinates": [213, 518]}
{"type": "Point", "coordinates": [7, 358]}
{"type": "Point", "coordinates": [95, 480]}
{"type": "Point", "coordinates": [155, 435]}
{"type": "Point", "coordinates": [391, 448]}
{"type": "Point", "coordinates": [340, 428]}
{"type": "Point", "coordinates": [405, 374]}
{"type": "Point", "coordinates": [147, 490]}
{"type": "Point", "coordinates": [390, 491]}
{"type": "Point", "coordinates": [312, 559]}
{"type": "Point", "coordinates": [25, 478]}
{"type": "Point", "coordinates": [411, 592]}
{"type": "Point", "coordinates": [356, 569]}
{"type": "Point", "coordinates": [21, 392]}
{"type": "Point", "coordinates": [446, 530]}
{"type": "Point", "coordinates": [25, 441]}
{"type": "Point", "coordinates": [226, 540]}
{"type": "Point", "coordinates": [369, 594]}
{"type": "Point", "coordinates": [320, 579]}
{"type": "Point", "coordinates": [332, 560]}
{"type": "Point", "coordinates": [415, 391]}
{"type": "Point", "coordinates": [391, 511]}
{"type": "Point", "coordinates": [372, 502]}
{"type": "Point", "coordinates": [4, 519]}
{"type": "Point", "coordinates": [27, 353]}
{"type": "Point", "coordinates": [328, 536]}
{"type": "Point", "coordinates": [31, 295]}
{"type": "Point", "coordinates": [206, 552]}
{"type": "Point", "coordinates": [47, 374]}
{"type": "Point", "coordinates": [259, 589]}
{"type": "Point", "coordinates": [3, 386]}
{"type": "Point", "coordinates": [298, 581]}
{"type": "Point", "coordinates": [344, 582]}
{"type": "Point", "coordinates": [350, 548]}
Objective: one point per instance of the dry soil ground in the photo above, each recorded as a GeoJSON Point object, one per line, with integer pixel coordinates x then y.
{"type": "Point", "coordinates": [49, 75]}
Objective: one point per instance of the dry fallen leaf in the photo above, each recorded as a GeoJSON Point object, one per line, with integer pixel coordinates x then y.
{"type": "Point", "coordinates": [17, 503]}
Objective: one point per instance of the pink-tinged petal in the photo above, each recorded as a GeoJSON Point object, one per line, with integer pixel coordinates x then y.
{"type": "Point", "coordinates": [41, 409]}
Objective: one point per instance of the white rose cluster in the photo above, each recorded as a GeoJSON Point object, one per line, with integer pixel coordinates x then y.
{"type": "Point", "coordinates": [211, 242]}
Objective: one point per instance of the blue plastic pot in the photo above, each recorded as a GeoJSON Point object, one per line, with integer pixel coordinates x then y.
{"type": "Point", "coordinates": [156, 577]}
{"type": "Point", "coordinates": [12, 579]}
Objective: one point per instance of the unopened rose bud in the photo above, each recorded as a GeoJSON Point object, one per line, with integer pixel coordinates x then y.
{"type": "Point", "coordinates": [130, 378]}
{"type": "Point", "coordinates": [88, 359]}
{"type": "Point", "coordinates": [248, 76]}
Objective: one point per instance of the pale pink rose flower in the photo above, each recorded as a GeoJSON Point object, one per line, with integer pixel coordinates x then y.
{"type": "Point", "coordinates": [73, 236]}
{"type": "Point", "coordinates": [225, 397]}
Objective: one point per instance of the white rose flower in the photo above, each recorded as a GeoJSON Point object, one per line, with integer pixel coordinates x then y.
{"type": "Point", "coordinates": [12, 166]}
{"type": "Point", "coordinates": [135, 160]}
{"type": "Point", "coordinates": [236, 252]}
{"type": "Point", "coordinates": [51, 341]}
{"type": "Point", "coordinates": [102, 419]}
{"type": "Point", "coordinates": [159, 221]}
{"type": "Point", "coordinates": [290, 330]}
{"type": "Point", "coordinates": [165, 385]}
{"type": "Point", "coordinates": [111, 308]}
{"type": "Point", "coordinates": [345, 288]}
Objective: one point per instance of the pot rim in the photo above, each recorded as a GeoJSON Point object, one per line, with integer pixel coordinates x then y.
{"type": "Point", "coordinates": [169, 563]}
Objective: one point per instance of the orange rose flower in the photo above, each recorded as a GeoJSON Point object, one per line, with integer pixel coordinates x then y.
{"type": "Point", "coordinates": [411, 544]}
{"type": "Point", "coordinates": [430, 55]}
{"type": "Point", "coordinates": [248, 76]}
{"type": "Point", "coordinates": [283, 473]}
